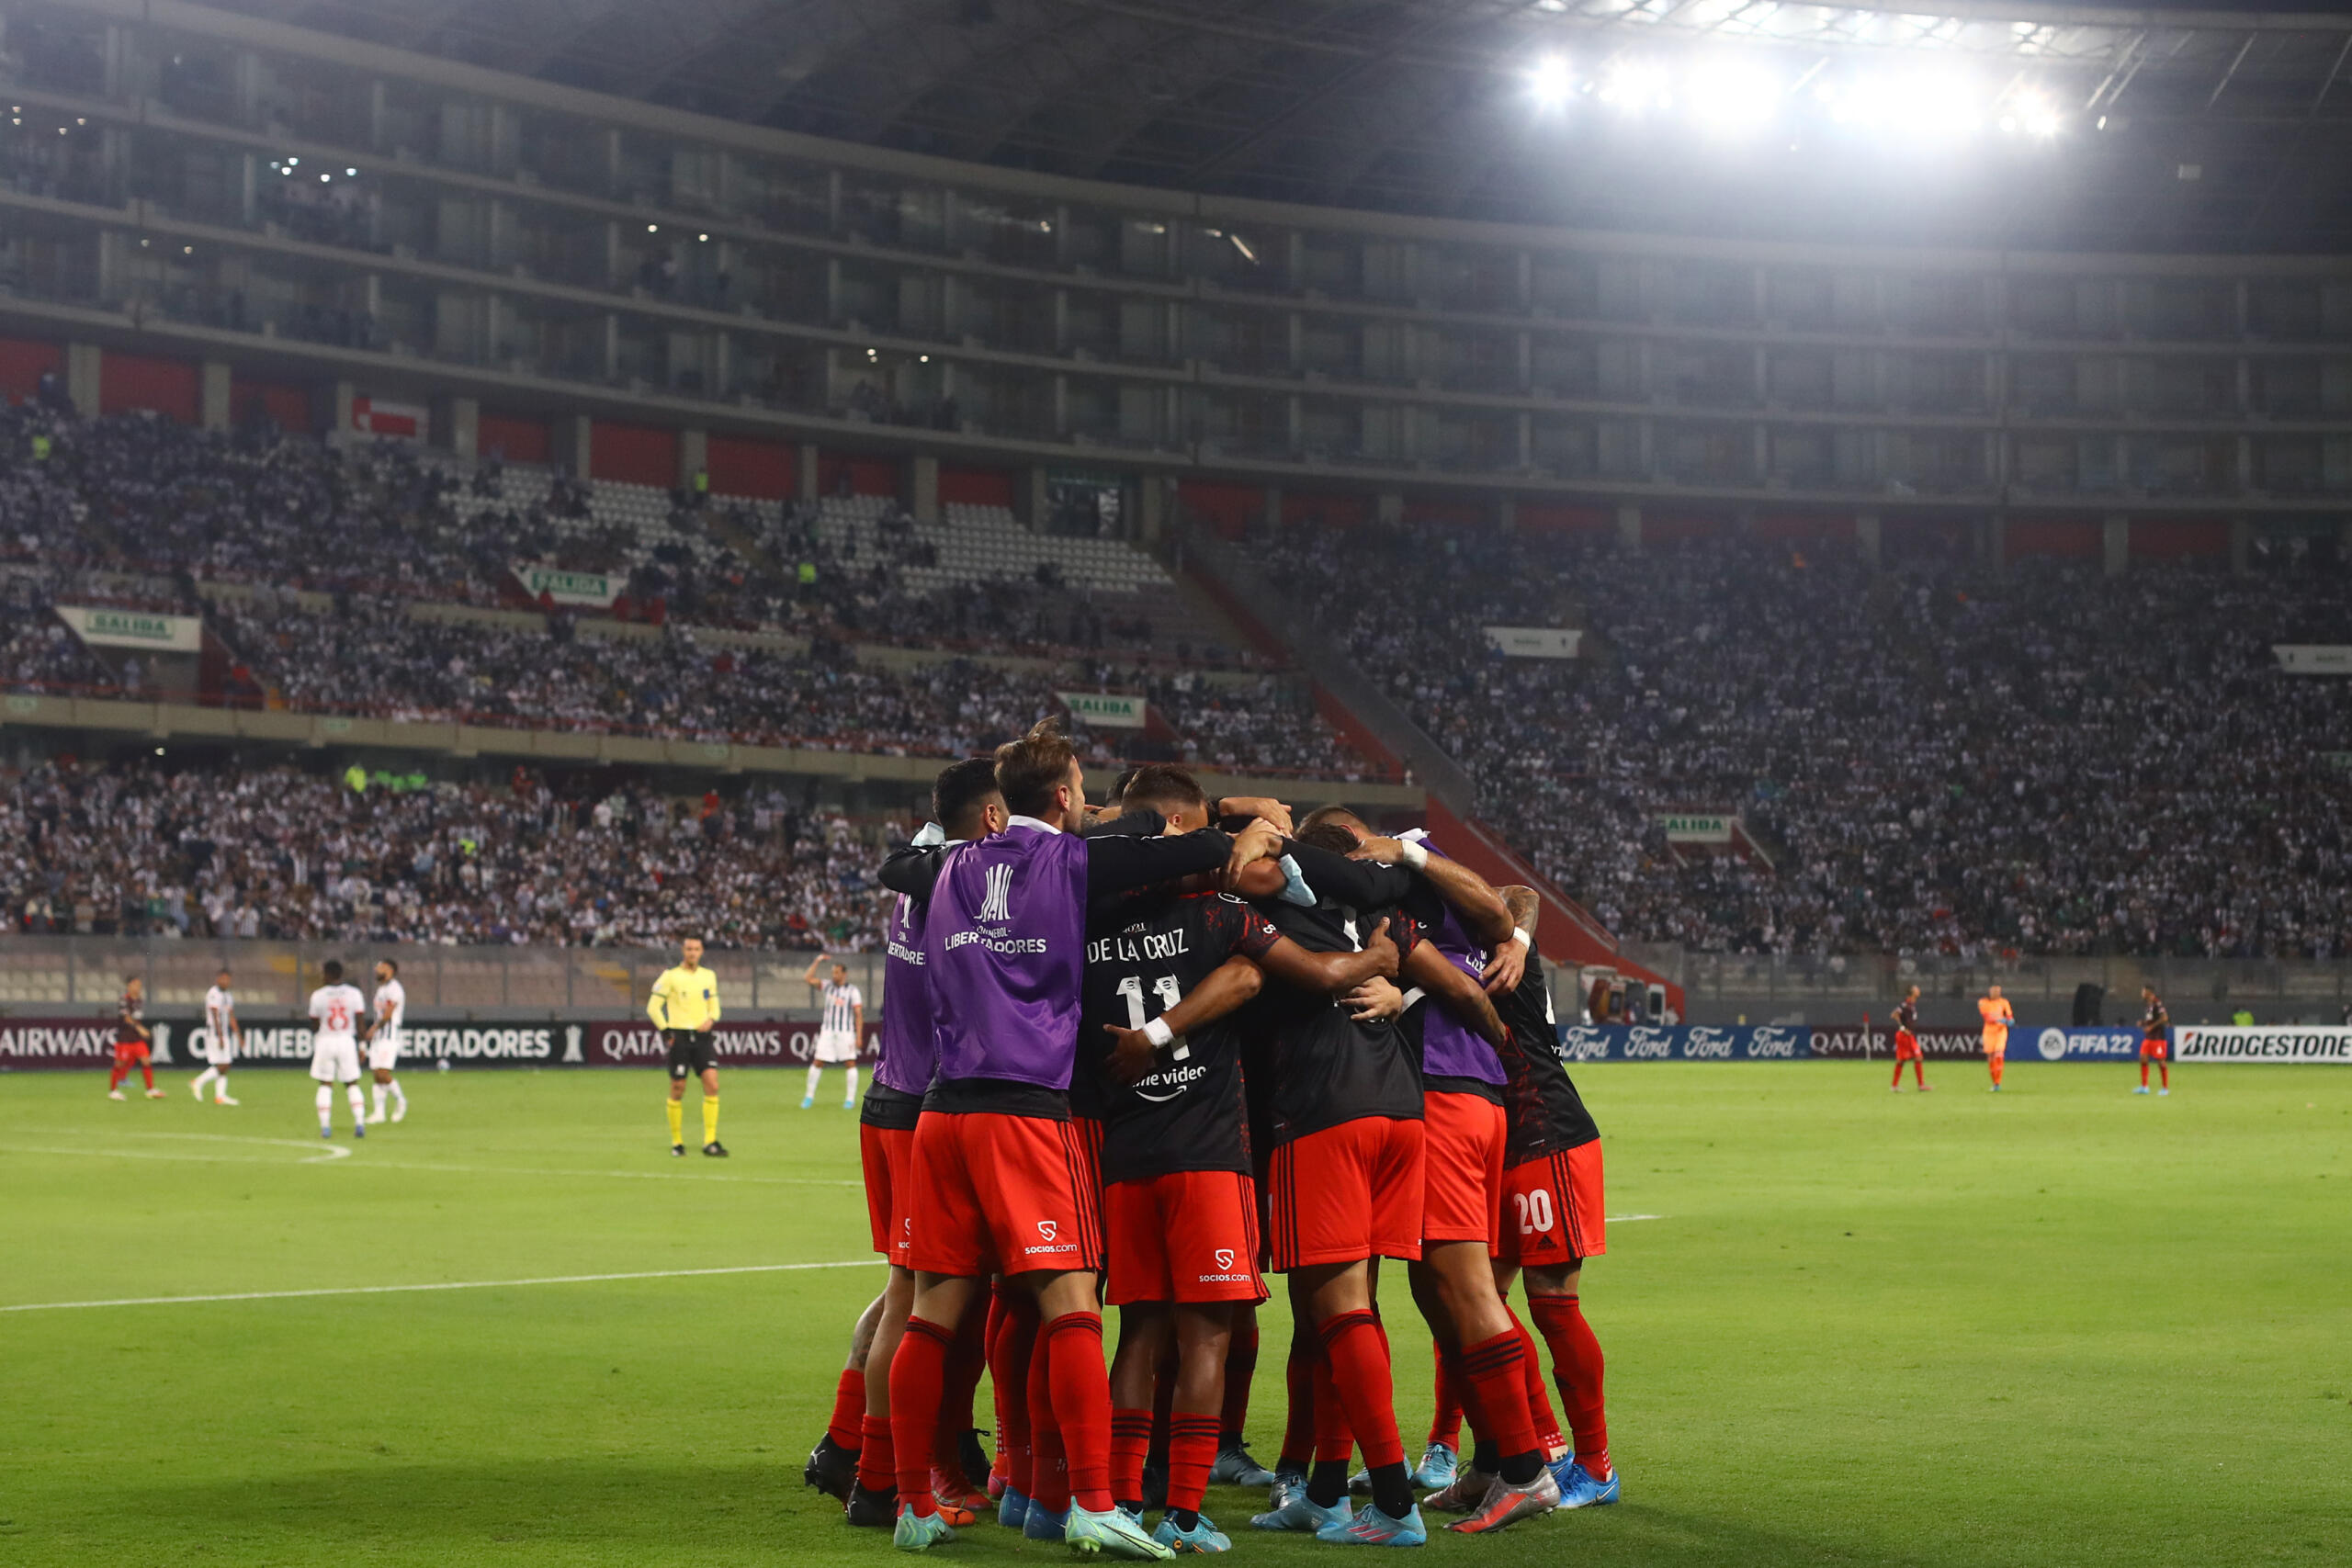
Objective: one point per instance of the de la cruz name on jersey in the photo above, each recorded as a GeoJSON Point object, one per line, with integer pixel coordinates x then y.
{"type": "Point", "coordinates": [1140, 961]}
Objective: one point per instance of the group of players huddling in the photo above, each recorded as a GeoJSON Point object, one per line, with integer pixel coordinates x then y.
{"type": "Point", "coordinates": [1195, 1041]}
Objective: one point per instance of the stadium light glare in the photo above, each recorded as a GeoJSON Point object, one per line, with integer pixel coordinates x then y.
{"type": "Point", "coordinates": [1731, 98]}
{"type": "Point", "coordinates": [1921, 106]}
{"type": "Point", "coordinates": [2037, 117]}
{"type": "Point", "coordinates": [1551, 81]}
{"type": "Point", "coordinates": [1636, 88]}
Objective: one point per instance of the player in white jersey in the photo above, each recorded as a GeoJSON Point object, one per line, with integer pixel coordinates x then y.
{"type": "Point", "coordinates": [384, 1038]}
{"type": "Point", "coordinates": [341, 1014]}
{"type": "Point", "coordinates": [222, 1035]}
{"type": "Point", "coordinates": [838, 1033]}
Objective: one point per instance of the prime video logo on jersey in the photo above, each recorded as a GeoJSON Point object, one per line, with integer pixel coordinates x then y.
{"type": "Point", "coordinates": [2086, 1044]}
{"type": "Point", "coordinates": [1684, 1042]}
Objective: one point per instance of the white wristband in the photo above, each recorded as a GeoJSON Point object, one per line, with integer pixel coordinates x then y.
{"type": "Point", "coordinates": [1518, 934]}
{"type": "Point", "coordinates": [1411, 853]}
{"type": "Point", "coordinates": [1158, 1032]}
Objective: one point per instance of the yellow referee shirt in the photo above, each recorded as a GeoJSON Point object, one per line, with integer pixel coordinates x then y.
{"type": "Point", "coordinates": [685, 999]}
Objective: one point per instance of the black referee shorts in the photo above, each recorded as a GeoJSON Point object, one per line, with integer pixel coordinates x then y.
{"type": "Point", "coordinates": [693, 1051]}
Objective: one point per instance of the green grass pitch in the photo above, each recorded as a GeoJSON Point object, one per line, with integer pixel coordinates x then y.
{"type": "Point", "coordinates": [2065, 1325]}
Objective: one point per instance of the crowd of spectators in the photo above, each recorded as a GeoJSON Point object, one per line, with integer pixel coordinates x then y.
{"type": "Point", "coordinates": [1940, 758]}
{"type": "Point", "coordinates": [317, 569]}
{"type": "Point", "coordinates": [274, 852]}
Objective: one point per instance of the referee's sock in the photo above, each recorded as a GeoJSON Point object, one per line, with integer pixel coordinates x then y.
{"type": "Point", "coordinates": [710, 1119]}
{"type": "Point", "coordinates": [678, 1121]}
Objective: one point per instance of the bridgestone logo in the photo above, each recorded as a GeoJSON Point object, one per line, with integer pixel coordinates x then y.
{"type": "Point", "coordinates": [2231, 1044]}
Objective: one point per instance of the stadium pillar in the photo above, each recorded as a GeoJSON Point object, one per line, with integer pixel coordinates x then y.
{"type": "Point", "coordinates": [83, 363]}
{"type": "Point", "coordinates": [1151, 508]}
{"type": "Point", "coordinates": [463, 422]}
{"type": "Point", "coordinates": [1866, 537]}
{"type": "Point", "coordinates": [2241, 545]}
{"type": "Point", "coordinates": [2115, 535]}
{"type": "Point", "coordinates": [1996, 547]}
{"type": "Point", "coordinates": [1507, 515]}
{"type": "Point", "coordinates": [1272, 515]}
{"type": "Point", "coordinates": [923, 487]}
{"type": "Point", "coordinates": [572, 443]}
{"type": "Point", "coordinates": [804, 472]}
{"type": "Point", "coordinates": [212, 396]}
{"type": "Point", "coordinates": [1388, 508]}
{"type": "Point", "coordinates": [1030, 504]}
{"type": "Point", "coordinates": [693, 456]}
{"type": "Point", "coordinates": [339, 417]}
{"type": "Point", "coordinates": [1629, 528]}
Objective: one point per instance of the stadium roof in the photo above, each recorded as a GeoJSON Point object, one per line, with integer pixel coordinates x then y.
{"type": "Point", "coordinates": [2153, 128]}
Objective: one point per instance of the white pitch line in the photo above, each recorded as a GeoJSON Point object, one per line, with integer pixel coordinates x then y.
{"type": "Point", "coordinates": [342, 1152]}
{"type": "Point", "coordinates": [1629, 1219]}
{"type": "Point", "coordinates": [443, 1285]}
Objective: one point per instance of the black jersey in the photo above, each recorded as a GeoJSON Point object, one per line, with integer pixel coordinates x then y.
{"type": "Point", "coordinates": [128, 1026]}
{"type": "Point", "coordinates": [2154, 1020]}
{"type": "Point", "coordinates": [1905, 1017]}
{"type": "Point", "coordinates": [1323, 1067]}
{"type": "Point", "coordinates": [1189, 1114]}
{"type": "Point", "coordinates": [1543, 1112]}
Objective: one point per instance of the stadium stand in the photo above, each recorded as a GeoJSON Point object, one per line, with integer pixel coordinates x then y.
{"type": "Point", "coordinates": [234, 851]}
{"type": "Point", "coordinates": [1942, 758]}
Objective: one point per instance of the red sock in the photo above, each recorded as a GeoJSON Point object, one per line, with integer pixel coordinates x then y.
{"type": "Point", "coordinates": [1048, 1465]}
{"type": "Point", "coordinates": [849, 1408]}
{"type": "Point", "coordinates": [1539, 1395]}
{"type": "Point", "coordinates": [1576, 1366]}
{"type": "Point", "coordinates": [916, 1373]}
{"type": "Point", "coordinates": [1445, 1419]}
{"type": "Point", "coordinates": [1360, 1374]}
{"type": "Point", "coordinates": [1192, 1451]}
{"type": "Point", "coordinates": [1919, 1070]}
{"type": "Point", "coordinates": [2164, 1076]}
{"type": "Point", "coordinates": [1009, 1358]}
{"type": "Point", "coordinates": [966, 1359]}
{"type": "Point", "coordinates": [1082, 1404]}
{"type": "Point", "coordinates": [2144, 1074]}
{"type": "Point", "coordinates": [148, 1073]}
{"type": "Point", "coordinates": [1298, 1387]}
{"type": "Point", "coordinates": [1240, 1367]}
{"type": "Point", "coordinates": [114, 1079]}
{"type": "Point", "coordinates": [1130, 1437]}
{"type": "Point", "coordinates": [1494, 1374]}
{"type": "Point", "coordinates": [877, 1469]}
{"type": "Point", "coordinates": [1333, 1438]}
{"type": "Point", "coordinates": [993, 1338]}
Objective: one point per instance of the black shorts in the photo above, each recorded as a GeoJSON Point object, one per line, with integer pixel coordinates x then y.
{"type": "Point", "coordinates": [691, 1052]}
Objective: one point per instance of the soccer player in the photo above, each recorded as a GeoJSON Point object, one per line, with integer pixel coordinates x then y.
{"type": "Point", "coordinates": [1480, 1346]}
{"type": "Point", "coordinates": [684, 1004]}
{"type": "Point", "coordinates": [384, 1040]}
{"type": "Point", "coordinates": [1555, 1216]}
{"type": "Point", "coordinates": [223, 1036]}
{"type": "Point", "coordinates": [1905, 1019]}
{"type": "Point", "coordinates": [1180, 1207]}
{"type": "Point", "coordinates": [1994, 1009]}
{"type": "Point", "coordinates": [2155, 1038]}
{"type": "Point", "coordinates": [995, 1157]}
{"type": "Point", "coordinates": [966, 806]}
{"type": "Point", "coordinates": [340, 1013]}
{"type": "Point", "coordinates": [131, 1036]}
{"type": "Point", "coordinates": [839, 1034]}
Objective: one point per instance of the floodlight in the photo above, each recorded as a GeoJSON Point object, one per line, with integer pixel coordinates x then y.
{"type": "Point", "coordinates": [1732, 97]}
{"type": "Point", "coordinates": [1636, 88]}
{"type": "Point", "coordinates": [1550, 82]}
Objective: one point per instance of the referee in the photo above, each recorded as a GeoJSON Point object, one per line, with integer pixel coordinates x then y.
{"type": "Point", "coordinates": [684, 1006]}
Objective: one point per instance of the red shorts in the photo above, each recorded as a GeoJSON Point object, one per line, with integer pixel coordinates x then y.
{"type": "Point", "coordinates": [888, 1153]}
{"type": "Point", "coordinates": [1463, 1166]}
{"type": "Point", "coordinates": [1905, 1044]}
{"type": "Point", "coordinates": [1001, 1195]}
{"type": "Point", "coordinates": [1556, 1211]}
{"type": "Point", "coordinates": [1346, 1192]}
{"type": "Point", "coordinates": [129, 1053]}
{"type": "Point", "coordinates": [2154, 1050]}
{"type": "Point", "coordinates": [1190, 1235]}
{"type": "Point", "coordinates": [1089, 1143]}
